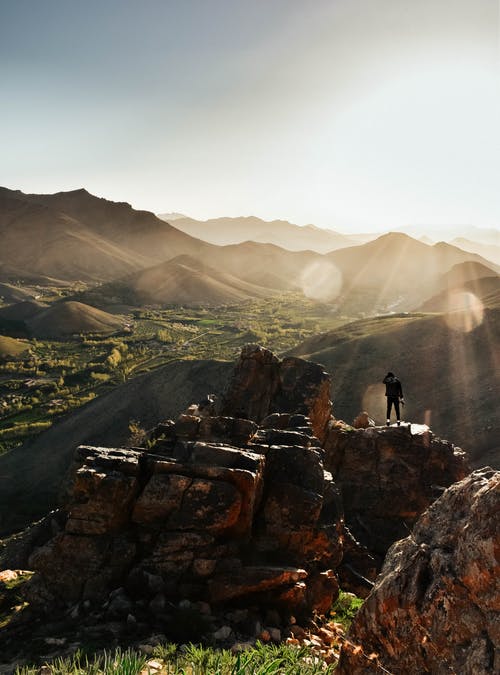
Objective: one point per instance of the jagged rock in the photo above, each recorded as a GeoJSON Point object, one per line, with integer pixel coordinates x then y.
{"type": "Point", "coordinates": [388, 476]}
{"type": "Point", "coordinates": [200, 520]}
{"type": "Point", "coordinates": [363, 421]}
{"type": "Point", "coordinates": [262, 384]}
{"type": "Point", "coordinates": [435, 606]}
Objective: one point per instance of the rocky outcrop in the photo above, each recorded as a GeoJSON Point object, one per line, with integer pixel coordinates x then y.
{"type": "Point", "coordinates": [261, 503]}
{"type": "Point", "coordinates": [388, 476]}
{"type": "Point", "coordinates": [263, 384]}
{"type": "Point", "coordinates": [435, 607]}
{"type": "Point", "coordinates": [208, 520]}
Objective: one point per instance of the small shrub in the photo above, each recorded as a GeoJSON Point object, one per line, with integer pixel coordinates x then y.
{"type": "Point", "coordinates": [345, 608]}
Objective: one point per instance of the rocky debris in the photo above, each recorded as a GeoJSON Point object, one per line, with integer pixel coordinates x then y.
{"type": "Point", "coordinates": [388, 476]}
{"type": "Point", "coordinates": [435, 606]}
{"type": "Point", "coordinates": [363, 421]}
{"type": "Point", "coordinates": [262, 384]}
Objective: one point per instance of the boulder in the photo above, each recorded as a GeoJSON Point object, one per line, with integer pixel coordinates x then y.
{"type": "Point", "coordinates": [435, 606]}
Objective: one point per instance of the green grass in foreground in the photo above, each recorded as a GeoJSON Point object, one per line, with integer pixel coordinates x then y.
{"type": "Point", "coordinates": [345, 608]}
{"type": "Point", "coordinates": [191, 660]}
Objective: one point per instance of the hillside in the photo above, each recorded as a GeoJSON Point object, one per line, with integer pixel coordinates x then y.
{"type": "Point", "coordinates": [10, 293]}
{"type": "Point", "coordinates": [67, 318]}
{"type": "Point", "coordinates": [482, 292]}
{"type": "Point", "coordinates": [465, 272]}
{"type": "Point", "coordinates": [394, 272]}
{"type": "Point", "coordinates": [76, 236]}
{"type": "Point", "coordinates": [31, 475]}
{"type": "Point", "coordinates": [20, 311]}
{"type": "Point", "coordinates": [11, 347]}
{"type": "Point", "coordinates": [264, 264]}
{"type": "Point", "coordinates": [187, 281]}
{"type": "Point", "coordinates": [450, 377]}
{"type": "Point", "coordinates": [223, 231]}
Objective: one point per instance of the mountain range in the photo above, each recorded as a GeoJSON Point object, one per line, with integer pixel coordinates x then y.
{"type": "Point", "coordinates": [292, 237]}
{"type": "Point", "coordinates": [74, 236]}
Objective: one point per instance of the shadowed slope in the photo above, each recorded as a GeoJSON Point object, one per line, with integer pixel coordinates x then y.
{"type": "Point", "coordinates": [20, 311]}
{"type": "Point", "coordinates": [10, 293]}
{"type": "Point", "coordinates": [31, 475]}
{"type": "Point", "coordinates": [66, 318]}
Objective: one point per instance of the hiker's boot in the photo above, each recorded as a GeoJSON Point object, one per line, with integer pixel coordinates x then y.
{"type": "Point", "coordinates": [388, 423]}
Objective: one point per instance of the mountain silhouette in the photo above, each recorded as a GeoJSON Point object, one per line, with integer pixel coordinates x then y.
{"type": "Point", "coordinates": [292, 237]}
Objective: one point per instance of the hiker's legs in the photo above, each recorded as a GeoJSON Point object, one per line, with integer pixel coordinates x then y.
{"type": "Point", "coordinates": [390, 401]}
{"type": "Point", "coordinates": [396, 407]}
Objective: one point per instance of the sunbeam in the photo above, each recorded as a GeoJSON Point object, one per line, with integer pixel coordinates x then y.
{"type": "Point", "coordinates": [465, 311]}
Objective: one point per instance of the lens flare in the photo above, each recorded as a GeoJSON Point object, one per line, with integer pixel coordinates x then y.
{"type": "Point", "coordinates": [375, 402]}
{"type": "Point", "coordinates": [465, 311]}
{"type": "Point", "coordinates": [321, 281]}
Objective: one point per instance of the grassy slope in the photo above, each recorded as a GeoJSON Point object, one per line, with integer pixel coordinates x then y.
{"type": "Point", "coordinates": [11, 347]}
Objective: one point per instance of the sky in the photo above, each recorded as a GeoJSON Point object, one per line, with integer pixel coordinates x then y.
{"type": "Point", "coordinates": [350, 114]}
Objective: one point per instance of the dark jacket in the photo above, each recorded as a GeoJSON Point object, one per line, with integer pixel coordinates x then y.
{"type": "Point", "coordinates": [393, 386]}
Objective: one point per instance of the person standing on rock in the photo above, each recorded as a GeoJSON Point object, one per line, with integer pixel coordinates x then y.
{"type": "Point", "coordinates": [394, 393]}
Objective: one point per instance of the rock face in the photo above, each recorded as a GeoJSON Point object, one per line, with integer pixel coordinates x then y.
{"type": "Point", "coordinates": [208, 520]}
{"type": "Point", "coordinates": [262, 384]}
{"type": "Point", "coordinates": [388, 476]}
{"type": "Point", "coordinates": [435, 606]}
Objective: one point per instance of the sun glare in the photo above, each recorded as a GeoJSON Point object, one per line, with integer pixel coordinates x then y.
{"type": "Point", "coordinates": [321, 281]}
{"type": "Point", "coordinates": [374, 401]}
{"type": "Point", "coordinates": [465, 311]}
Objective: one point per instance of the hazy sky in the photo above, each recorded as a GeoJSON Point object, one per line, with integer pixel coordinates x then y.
{"type": "Point", "coordinates": [344, 113]}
